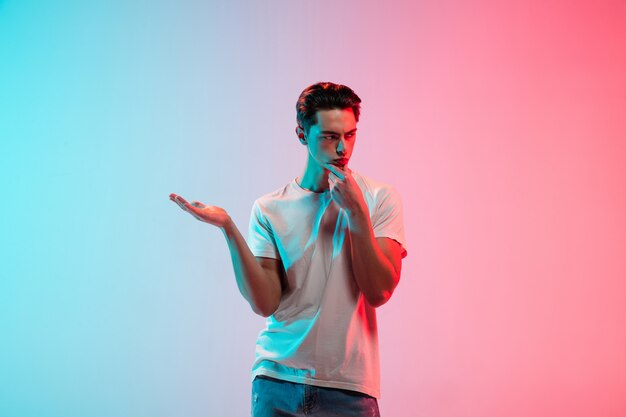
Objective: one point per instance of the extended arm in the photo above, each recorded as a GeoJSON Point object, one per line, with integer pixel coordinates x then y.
{"type": "Point", "coordinates": [258, 279]}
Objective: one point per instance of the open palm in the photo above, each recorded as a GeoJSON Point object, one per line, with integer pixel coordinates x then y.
{"type": "Point", "coordinates": [214, 215]}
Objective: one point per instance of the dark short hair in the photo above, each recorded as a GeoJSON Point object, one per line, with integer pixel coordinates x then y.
{"type": "Point", "coordinates": [325, 96]}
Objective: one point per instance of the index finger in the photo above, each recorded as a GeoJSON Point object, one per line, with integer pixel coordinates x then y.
{"type": "Point", "coordinates": [336, 170]}
{"type": "Point", "coordinates": [178, 199]}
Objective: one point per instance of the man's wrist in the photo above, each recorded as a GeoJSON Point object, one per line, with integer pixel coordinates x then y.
{"type": "Point", "coordinates": [228, 228]}
{"type": "Point", "coordinates": [359, 220]}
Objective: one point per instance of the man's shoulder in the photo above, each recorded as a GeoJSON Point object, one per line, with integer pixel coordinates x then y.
{"type": "Point", "coordinates": [272, 198]}
{"type": "Point", "coordinates": [375, 188]}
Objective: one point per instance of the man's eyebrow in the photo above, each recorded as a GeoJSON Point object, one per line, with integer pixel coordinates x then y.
{"type": "Point", "coordinates": [330, 132]}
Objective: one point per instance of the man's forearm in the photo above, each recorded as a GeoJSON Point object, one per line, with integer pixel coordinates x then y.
{"type": "Point", "coordinates": [373, 272]}
{"type": "Point", "coordinates": [254, 284]}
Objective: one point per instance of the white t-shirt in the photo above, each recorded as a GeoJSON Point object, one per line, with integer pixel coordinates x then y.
{"type": "Point", "coordinates": [323, 333]}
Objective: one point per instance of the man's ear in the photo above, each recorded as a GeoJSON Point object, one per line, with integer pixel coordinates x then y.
{"type": "Point", "coordinates": [301, 135]}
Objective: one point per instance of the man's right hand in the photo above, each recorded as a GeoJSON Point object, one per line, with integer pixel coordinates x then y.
{"type": "Point", "coordinates": [214, 215]}
{"type": "Point", "coordinates": [258, 279]}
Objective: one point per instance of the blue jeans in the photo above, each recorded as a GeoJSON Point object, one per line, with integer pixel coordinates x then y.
{"type": "Point", "coordinates": [276, 398]}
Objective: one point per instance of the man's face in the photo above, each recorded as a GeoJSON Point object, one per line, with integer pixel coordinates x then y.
{"type": "Point", "coordinates": [332, 139]}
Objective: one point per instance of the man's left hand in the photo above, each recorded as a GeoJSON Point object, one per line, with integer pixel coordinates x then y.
{"type": "Point", "coordinates": [345, 191]}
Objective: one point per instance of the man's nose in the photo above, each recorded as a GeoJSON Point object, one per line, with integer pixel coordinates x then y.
{"type": "Point", "coordinates": [341, 147]}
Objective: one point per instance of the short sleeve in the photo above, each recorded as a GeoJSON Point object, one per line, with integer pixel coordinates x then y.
{"type": "Point", "coordinates": [260, 237]}
{"type": "Point", "coordinates": [388, 219]}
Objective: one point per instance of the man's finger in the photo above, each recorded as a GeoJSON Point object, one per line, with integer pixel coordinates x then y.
{"type": "Point", "coordinates": [179, 199]}
{"type": "Point", "coordinates": [182, 203]}
{"type": "Point", "coordinates": [176, 198]}
{"type": "Point", "coordinates": [335, 170]}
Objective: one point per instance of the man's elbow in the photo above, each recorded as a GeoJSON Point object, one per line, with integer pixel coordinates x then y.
{"type": "Point", "coordinates": [266, 308]}
{"type": "Point", "coordinates": [378, 298]}
{"type": "Point", "coordinates": [263, 312]}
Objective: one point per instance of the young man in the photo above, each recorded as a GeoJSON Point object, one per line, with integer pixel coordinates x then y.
{"type": "Point", "coordinates": [322, 253]}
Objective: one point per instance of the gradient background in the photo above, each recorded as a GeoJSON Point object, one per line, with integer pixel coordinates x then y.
{"type": "Point", "coordinates": [502, 124]}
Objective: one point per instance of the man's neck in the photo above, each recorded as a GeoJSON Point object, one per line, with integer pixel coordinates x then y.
{"type": "Point", "coordinates": [314, 178]}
